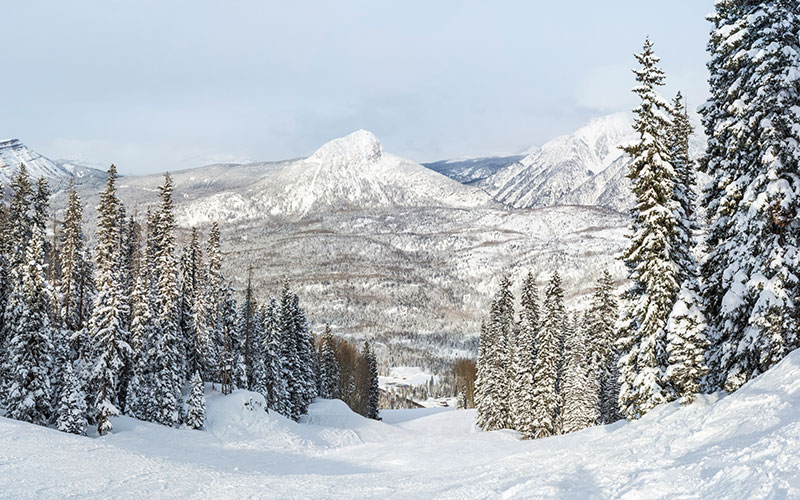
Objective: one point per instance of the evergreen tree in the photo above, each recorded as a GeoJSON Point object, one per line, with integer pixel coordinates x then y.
{"type": "Point", "coordinates": [753, 127]}
{"type": "Point", "coordinates": [196, 405]}
{"type": "Point", "coordinates": [106, 326]}
{"type": "Point", "coordinates": [190, 295]}
{"type": "Point", "coordinates": [330, 372]}
{"type": "Point", "coordinates": [373, 396]}
{"type": "Point", "coordinates": [601, 343]}
{"type": "Point", "coordinates": [650, 257]}
{"type": "Point", "coordinates": [168, 369]}
{"type": "Point", "coordinates": [524, 359]}
{"type": "Point", "coordinates": [30, 345]}
{"type": "Point", "coordinates": [277, 389]}
{"type": "Point", "coordinates": [580, 388]}
{"type": "Point", "coordinates": [72, 404]}
{"type": "Point", "coordinates": [73, 281]}
{"type": "Point", "coordinates": [548, 353]}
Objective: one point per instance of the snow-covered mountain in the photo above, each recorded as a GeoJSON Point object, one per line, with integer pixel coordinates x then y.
{"type": "Point", "coordinates": [378, 245]}
{"type": "Point", "coordinates": [583, 168]}
{"type": "Point", "coordinates": [471, 170]}
{"type": "Point", "coordinates": [13, 153]}
{"type": "Point", "coordinates": [586, 167]}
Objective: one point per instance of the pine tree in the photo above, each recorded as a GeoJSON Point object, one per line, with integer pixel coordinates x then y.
{"type": "Point", "coordinates": [753, 127]}
{"type": "Point", "coordinates": [72, 282]}
{"type": "Point", "coordinates": [330, 372]}
{"type": "Point", "coordinates": [247, 326]}
{"type": "Point", "coordinates": [106, 324]}
{"type": "Point", "coordinates": [686, 336]}
{"type": "Point", "coordinates": [524, 359]}
{"type": "Point", "coordinates": [191, 282]}
{"type": "Point", "coordinates": [72, 404]}
{"type": "Point", "coordinates": [548, 353]}
{"type": "Point", "coordinates": [602, 351]}
{"type": "Point", "coordinates": [373, 395]}
{"type": "Point", "coordinates": [30, 345]}
{"type": "Point", "coordinates": [277, 390]}
{"type": "Point", "coordinates": [196, 405]}
{"type": "Point", "coordinates": [208, 314]}
{"type": "Point", "coordinates": [580, 388]}
{"type": "Point", "coordinates": [168, 370]}
{"type": "Point", "coordinates": [650, 257]}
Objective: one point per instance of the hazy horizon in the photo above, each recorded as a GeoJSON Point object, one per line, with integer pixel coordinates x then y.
{"type": "Point", "coordinates": [154, 87]}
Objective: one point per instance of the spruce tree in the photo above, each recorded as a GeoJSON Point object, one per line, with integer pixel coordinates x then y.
{"type": "Point", "coordinates": [168, 369]}
{"type": "Point", "coordinates": [580, 388]}
{"type": "Point", "coordinates": [276, 383]}
{"type": "Point", "coordinates": [72, 281]}
{"type": "Point", "coordinates": [602, 351]}
{"type": "Point", "coordinates": [524, 359]}
{"type": "Point", "coordinates": [753, 127]}
{"type": "Point", "coordinates": [650, 258]}
{"type": "Point", "coordinates": [106, 326]}
{"type": "Point", "coordinates": [548, 353]}
{"type": "Point", "coordinates": [72, 404]}
{"type": "Point", "coordinates": [30, 344]}
{"type": "Point", "coordinates": [196, 404]}
{"type": "Point", "coordinates": [330, 372]}
{"type": "Point", "coordinates": [373, 395]}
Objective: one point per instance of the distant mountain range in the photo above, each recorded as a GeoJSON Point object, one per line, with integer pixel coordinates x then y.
{"type": "Point", "coordinates": [384, 247]}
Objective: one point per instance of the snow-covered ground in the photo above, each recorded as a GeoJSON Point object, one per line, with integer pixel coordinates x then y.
{"type": "Point", "coordinates": [746, 445]}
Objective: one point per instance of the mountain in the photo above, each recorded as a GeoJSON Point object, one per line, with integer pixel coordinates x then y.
{"type": "Point", "coordinates": [471, 170]}
{"type": "Point", "coordinates": [586, 167]}
{"type": "Point", "coordinates": [13, 153]}
{"type": "Point", "coordinates": [378, 245]}
{"type": "Point", "coordinates": [583, 168]}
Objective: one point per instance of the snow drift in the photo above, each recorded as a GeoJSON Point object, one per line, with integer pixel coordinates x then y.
{"type": "Point", "coordinates": [744, 445]}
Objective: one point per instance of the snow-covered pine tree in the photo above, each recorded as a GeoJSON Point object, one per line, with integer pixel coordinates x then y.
{"type": "Point", "coordinates": [71, 252]}
{"type": "Point", "coordinates": [106, 327]}
{"type": "Point", "coordinates": [753, 125]}
{"type": "Point", "coordinates": [290, 359]}
{"type": "Point", "coordinates": [72, 404]}
{"type": "Point", "coordinates": [191, 282]}
{"type": "Point", "coordinates": [548, 353]}
{"type": "Point", "coordinates": [524, 358]}
{"type": "Point", "coordinates": [277, 389]}
{"type": "Point", "coordinates": [143, 337]}
{"type": "Point", "coordinates": [229, 349]}
{"type": "Point", "coordinates": [330, 372]}
{"type": "Point", "coordinates": [501, 321]}
{"type": "Point", "coordinates": [209, 305]}
{"type": "Point", "coordinates": [686, 339]}
{"type": "Point", "coordinates": [650, 258]}
{"type": "Point", "coordinates": [246, 327]}
{"type": "Point", "coordinates": [196, 404]}
{"type": "Point", "coordinates": [483, 402]}
{"type": "Point", "coordinates": [374, 393]}
{"type": "Point", "coordinates": [16, 235]}
{"type": "Point", "coordinates": [580, 390]}
{"type": "Point", "coordinates": [168, 370]}
{"type": "Point", "coordinates": [30, 345]}
{"type": "Point", "coordinates": [305, 352]}
{"type": "Point", "coordinates": [260, 381]}
{"type": "Point", "coordinates": [601, 342]}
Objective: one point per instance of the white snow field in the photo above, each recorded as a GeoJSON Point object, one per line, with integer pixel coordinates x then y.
{"type": "Point", "coordinates": [744, 445]}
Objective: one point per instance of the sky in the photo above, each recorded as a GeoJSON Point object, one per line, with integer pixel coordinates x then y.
{"type": "Point", "coordinates": [167, 85]}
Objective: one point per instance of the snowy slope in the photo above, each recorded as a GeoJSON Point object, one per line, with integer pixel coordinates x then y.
{"type": "Point", "coordinates": [348, 173]}
{"type": "Point", "coordinates": [555, 173]}
{"type": "Point", "coordinates": [745, 445]}
{"type": "Point", "coordinates": [13, 153]}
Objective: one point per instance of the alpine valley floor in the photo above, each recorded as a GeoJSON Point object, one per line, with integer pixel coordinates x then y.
{"type": "Point", "coordinates": [743, 445]}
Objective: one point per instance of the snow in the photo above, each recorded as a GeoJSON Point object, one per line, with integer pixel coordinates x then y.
{"type": "Point", "coordinates": [13, 153]}
{"type": "Point", "coordinates": [745, 445]}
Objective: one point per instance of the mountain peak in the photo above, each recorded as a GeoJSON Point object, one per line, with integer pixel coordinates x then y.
{"type": "Point", "coordinates": [13, 153]}
{"type": "Point", "coordinates": [360, 147]}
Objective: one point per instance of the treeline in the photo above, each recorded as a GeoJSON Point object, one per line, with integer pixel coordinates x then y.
{"type": "Point", "coordinates": [131, 326]}
{"type": "Point", "coordinates": [683, 327]}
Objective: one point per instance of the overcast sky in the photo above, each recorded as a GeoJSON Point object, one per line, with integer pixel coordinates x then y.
{"type": "Point", "coordinates": [164, 85]}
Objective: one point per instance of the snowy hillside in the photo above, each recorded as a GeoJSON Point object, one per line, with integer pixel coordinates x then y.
{"type": "Point", "coordinates": [375, 244]}
{"type": "Point", "coordinates": [745, 445]}
{"type": "Point", "coordinates": [586, 167]}
{"type": "Point", "coordinates": [13, 153]}
{"type": "Point", "coordinates": [581, 168]}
